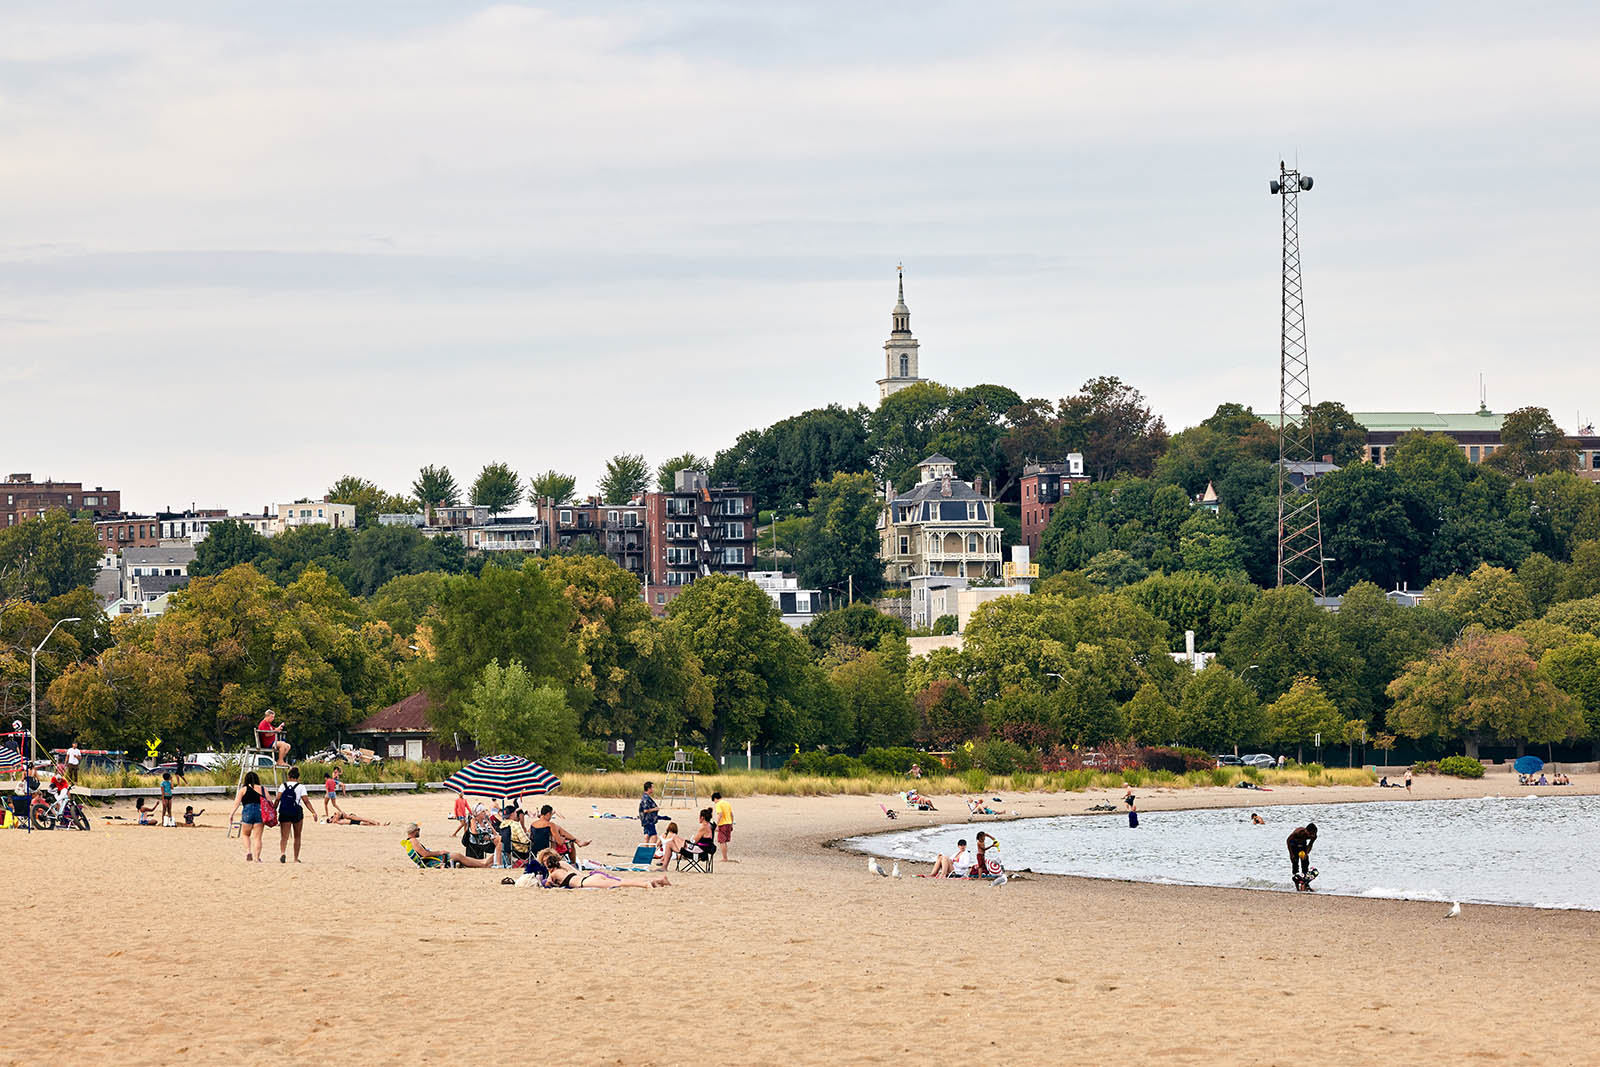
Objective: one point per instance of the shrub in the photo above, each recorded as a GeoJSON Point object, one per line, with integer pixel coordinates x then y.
{"type": "Point", "coordinates": [1461, 767]}
{"type": "Point", "coordinates": [892, 760]}
{"type": "Point", "coordinates": [1429, 766]}
{"type": "Point", "coordinates": [975, 781]}
{"type": "Point", "coordinates": [999, 756]}
{"type": "Point", "coordinates": [824, 765]}
{"type": "Point", "coordinates": [945, 625]}
{"type": "Point", "coordinates": [656, 759]}
{"type": "Point", "coordinates": [590, 757]}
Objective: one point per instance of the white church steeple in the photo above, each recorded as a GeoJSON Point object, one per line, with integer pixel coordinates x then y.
{"type": "Point", "coordinates": [900, 350]}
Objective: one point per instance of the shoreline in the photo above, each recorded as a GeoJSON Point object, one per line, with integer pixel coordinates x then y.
{"type": "Point", "coordinates": [1306, 795]}
{"type": "Point", "coordinates": [795, 931]}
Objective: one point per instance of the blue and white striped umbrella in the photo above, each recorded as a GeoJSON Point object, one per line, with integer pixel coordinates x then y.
{"type": "Point", "coordinates": [502, 776]}
{"type": "Point", "coordinates": [10, 759]}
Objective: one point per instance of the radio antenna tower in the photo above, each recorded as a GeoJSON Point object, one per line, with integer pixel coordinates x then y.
{"type": "Point", "coordinates": [1299, 517]}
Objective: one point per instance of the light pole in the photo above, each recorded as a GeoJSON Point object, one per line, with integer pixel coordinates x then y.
{"type": "Point", "coordinates": [33, 685]}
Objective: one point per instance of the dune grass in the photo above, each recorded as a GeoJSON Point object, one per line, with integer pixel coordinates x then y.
{"type": "Point", "coordinates": [741, 783]}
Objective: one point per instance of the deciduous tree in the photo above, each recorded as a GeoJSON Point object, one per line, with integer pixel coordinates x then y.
{"type": "Point", "coordinates": [497, 488]}
{"type": "Point", "coordinates": [508, 710]}
{"type": "Point", "coordinates": [627, 476]}
{"type": "Point", "coordinates": [435, 487]}
{"type": "Point", "coordinates": [840, 543]}
{"type": "Point", "coordinates": [555, 487]}
{"type": "Point", "coordinates": [1485, 686]}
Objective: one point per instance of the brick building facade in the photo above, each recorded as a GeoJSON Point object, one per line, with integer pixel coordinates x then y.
{"type": "Point", "coordinates": [1042, 487]}
{"type": "Point", "coordinates": [22, 498]}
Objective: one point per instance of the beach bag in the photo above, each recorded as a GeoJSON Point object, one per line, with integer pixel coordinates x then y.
{"type": "Point", "coordinates": [289, 804]}
{"type": "Point", "coordinates": [269, 811]}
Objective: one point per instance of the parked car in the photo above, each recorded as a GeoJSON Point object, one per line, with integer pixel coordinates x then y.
{"type": "Point", "coordinates": [1260, 759]}
{"type": "Point", "coordinates": [166, 767]}
{"type": "Point", "coordinates": [1229, 761]}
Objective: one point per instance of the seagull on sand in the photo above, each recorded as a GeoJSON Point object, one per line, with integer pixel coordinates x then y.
{"type": "Point", "coordinates": [894, 872]}
{"type": "Point", "coordinates": [873, 868]}
{"type": "Point", "coordinates": [1455, 909]}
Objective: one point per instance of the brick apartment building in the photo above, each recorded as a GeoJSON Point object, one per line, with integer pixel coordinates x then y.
{"type": "Point", "coordinates": [618, 530]}
{"type": "Point", "coordinates": [22, 499]}
{"type": "Point", "coordinates": [1042, 486]}
{"type": "Point", "coordinates": [695, 531]}
{"type": "Point", "coordinates": [148, 531]}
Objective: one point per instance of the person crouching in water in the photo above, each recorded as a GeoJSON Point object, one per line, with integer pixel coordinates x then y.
{"type": "Point", "coordinates": [1300, 841]}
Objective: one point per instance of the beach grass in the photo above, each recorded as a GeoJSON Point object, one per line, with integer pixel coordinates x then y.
{"type": "Point", "coordinates": [742, 783]}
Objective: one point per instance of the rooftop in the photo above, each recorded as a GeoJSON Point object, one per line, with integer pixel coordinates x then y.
{"type": "Point", "coordinates": [406, 716]}
{"type": "Point", "coordinates": [1432, 421]}
{"type": "Point", "coordinates": [174, 554]}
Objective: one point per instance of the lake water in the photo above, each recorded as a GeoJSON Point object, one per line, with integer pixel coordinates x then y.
{"type": "Point", "coordinates": [1532, 851]}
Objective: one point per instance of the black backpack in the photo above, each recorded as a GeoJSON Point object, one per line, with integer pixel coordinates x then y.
{"type": "Point", "coordinates": [289, 809]}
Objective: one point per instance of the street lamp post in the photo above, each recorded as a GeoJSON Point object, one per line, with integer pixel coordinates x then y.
{"type": "Point", "coordinates": [33, 685]}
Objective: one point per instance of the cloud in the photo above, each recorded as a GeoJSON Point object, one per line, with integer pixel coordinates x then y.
{"type": "Point", "coordinates": [550, 234]}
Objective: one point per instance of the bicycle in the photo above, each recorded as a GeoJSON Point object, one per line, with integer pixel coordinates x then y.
{"type": "Point", "coordinates": [64, 812]}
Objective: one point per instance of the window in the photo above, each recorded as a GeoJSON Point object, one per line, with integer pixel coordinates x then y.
{"type": "Point", "coordinates": [905, 544]}
{"type": "Point", "coordinates": [972, 542]}
{"type": "Point", "coordinates": [905, 366]}
{"type": "Point", "coordinates": [661, 598]}
{"type": "Point", "coordinates": [611, 516]}
{"type": "Point", "coordinates": [1472, 453]}
{"type": "Point", "coordinates": [566, 517]}
{"type": "Point", "coordinates": [733, 555]}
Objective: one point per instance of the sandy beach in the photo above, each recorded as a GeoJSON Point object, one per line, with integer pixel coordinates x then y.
{"type": "Point", "coordinates": [152, 945]}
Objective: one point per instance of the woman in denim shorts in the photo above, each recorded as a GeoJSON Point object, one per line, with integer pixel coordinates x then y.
{"type": "Point", "coordinates": [248, 805]}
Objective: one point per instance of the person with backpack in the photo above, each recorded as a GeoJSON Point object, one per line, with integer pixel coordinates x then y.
{"type": "Point", "coordinates": [293, 807]}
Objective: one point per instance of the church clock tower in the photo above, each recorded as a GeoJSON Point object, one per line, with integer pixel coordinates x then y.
{"type": "Point", "coordinates": [900, 350]}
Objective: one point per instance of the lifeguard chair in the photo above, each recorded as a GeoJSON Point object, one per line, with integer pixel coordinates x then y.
{"type": "Point", "coordinates": [681, 787]}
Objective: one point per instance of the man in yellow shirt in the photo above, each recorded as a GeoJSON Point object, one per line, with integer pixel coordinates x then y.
{"type": "Point", "coordinates": [722, 814]}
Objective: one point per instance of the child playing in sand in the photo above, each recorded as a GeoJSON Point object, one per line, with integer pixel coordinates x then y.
{"type": "Point", "coordinates": [147, 816]}
{"type": "Point", "coordinates": [190, 815]}
{"type": "Point", "coordinates": [166, 800]}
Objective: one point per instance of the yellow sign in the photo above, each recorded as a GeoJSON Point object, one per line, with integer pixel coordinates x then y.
{"type": "Point", "coordinates": [1011, 570]}
{"type": "Point", "coordinates": [153, 748]}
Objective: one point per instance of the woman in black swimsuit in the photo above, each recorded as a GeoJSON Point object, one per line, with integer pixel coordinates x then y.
{"type": "Point", "coordinates": [564, 877]}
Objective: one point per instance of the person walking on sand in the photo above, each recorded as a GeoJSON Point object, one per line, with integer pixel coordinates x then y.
{"type": "Point", "coordinates": [330, 793]}
{"type": "Point", "coordinates": [247, 805]}
{"type": "Point", "coordinates": [649, 812]}
{"type": "Point", "coordinates": [1301, 838]}
{"type": "Point", "coordinates": [292, 804]}
{"type": "Point", "coordinates": [723, 812]}
{"type": "Point", "coordinates": [74, 757]}
{"type": "Point", "coordinates": [1408, 779]}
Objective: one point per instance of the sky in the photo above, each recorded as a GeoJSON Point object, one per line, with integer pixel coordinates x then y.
{"type": "Point", "coordinates": [246, 249]}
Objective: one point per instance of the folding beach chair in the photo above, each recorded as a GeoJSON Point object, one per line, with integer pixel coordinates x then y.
{"type": "Point", "coordinates": [645, 854]}
{"type": "Point", "coordinates": [425, 864]}
{"type": "Point", "coordinates": [691, 858]}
